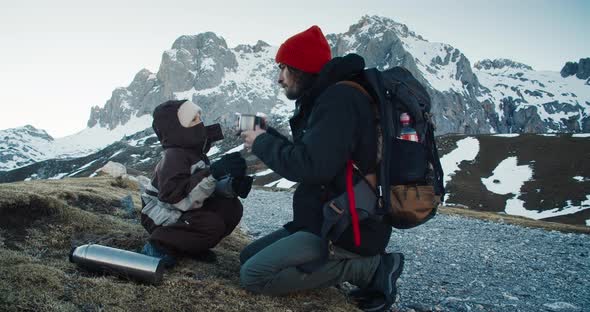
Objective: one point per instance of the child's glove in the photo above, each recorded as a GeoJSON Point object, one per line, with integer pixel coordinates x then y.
{"type": "Point", "coordinates": [231, 187]}
{"type": "Point", "coordinates": [242, 186]}
{"type": "Point", "coordinates": [230, 164]}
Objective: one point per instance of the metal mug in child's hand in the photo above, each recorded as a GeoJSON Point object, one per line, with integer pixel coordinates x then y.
{"type": "Point", "coordinates": [247, 122]}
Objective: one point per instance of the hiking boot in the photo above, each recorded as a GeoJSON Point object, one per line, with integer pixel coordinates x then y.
{"type": "Point", "coordinates": [382, 292]}
{"type": "Point", "coordinates": [151, 250]}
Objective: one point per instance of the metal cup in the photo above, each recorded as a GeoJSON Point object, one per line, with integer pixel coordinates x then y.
{"type": "Point", "coordinates": [247, 122]}
{"type": "Point", "coordinates": [126, 264]}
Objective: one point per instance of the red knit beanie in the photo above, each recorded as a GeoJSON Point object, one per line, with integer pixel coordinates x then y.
{"type": "Point", "coordinates": [308, 51]}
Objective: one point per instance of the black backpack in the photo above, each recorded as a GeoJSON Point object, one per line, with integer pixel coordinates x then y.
{"type": "Point", "coordinates": [408, 186]}
{"type": "Point", "coordinates": [410, 178]}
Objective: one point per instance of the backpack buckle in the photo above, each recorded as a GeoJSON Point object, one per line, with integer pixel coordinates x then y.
{"type": "Point", "coordinates": [428, 117]}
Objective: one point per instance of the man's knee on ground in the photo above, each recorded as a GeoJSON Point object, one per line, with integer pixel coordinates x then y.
{"type": "Point", "coordinates": [251, 278]}
{"type": "Point", "coordinates": [246, 254]}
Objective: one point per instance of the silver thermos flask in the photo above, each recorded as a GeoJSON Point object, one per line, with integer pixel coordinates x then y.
{"type": "Point", "coordinates": [126, 264]}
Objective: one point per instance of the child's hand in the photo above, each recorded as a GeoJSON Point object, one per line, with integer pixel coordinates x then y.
{"type": "Point", "coordinates": [230, 164]}
{"type": "Point", "coordinates": [231, 187]}
{"type": "Point", "coordinates": [242, 186]}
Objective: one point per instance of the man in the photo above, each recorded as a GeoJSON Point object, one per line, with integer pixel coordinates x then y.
{"type": "Point", "coordinates": [332, 123]}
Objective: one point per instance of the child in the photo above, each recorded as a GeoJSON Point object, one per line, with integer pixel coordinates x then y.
{"type": "Point", "coordinates": [181, 209]}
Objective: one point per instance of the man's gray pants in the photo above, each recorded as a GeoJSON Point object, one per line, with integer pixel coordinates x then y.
{"type": "Point", "coordinates": [269, 264]}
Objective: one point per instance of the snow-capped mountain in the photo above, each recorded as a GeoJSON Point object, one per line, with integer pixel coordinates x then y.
{"type": "Point", "coordinates": [243, 79]}
{"type": "Point", "coordinates": [493, 97]}
{"type": "Point", "coordinates": [26, 145]}
{"type": "Point", "coordinates": [22, 146]}
{"type": "Point", "coordinates": [526, 100]}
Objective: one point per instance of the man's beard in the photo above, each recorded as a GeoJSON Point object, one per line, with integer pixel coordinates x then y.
{"type": "Point", "coordinates": [293, 92]}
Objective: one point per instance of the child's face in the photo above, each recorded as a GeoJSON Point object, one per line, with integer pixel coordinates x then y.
{"type": "Point", "coordinates": [189, 114]}
{"type": "Point", "coordinates": [197, 120]}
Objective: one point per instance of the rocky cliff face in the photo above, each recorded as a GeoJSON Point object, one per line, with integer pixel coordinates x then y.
{"type": "Point", "coordinates": [444, 70]}
{"type": "Point", "coordinates": [526, 100]}
{"type": "Point", "coordinates": [581, 69]}
{"type": "Point", "coordinates": [500, 64]}
{"type": "Point", "coordinates": [226, 80]}
{"type": "Point", "coordinates": [203, 69]}
{"type": "Point", "coordinates": [139, 98]}
{"type": "Point", "coordinates": [492, 96]}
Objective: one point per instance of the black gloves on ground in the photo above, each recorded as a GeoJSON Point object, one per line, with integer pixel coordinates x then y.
{"type": "Point", "coordinates": [231, 187]}
{"type": "Point", "coordinates": [230, 164]}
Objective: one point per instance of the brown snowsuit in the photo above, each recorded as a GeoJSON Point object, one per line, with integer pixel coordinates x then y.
{"type": "Point", "coordinates": [180, 210]}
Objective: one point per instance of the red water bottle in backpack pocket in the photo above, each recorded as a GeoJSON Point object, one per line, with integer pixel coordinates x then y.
{"type": "Point", "coordinates": [407, 132]}
{"type": "Point", "coordinates": [408, 161]}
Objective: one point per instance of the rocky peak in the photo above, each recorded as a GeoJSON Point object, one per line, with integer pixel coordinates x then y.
{"type": "Point", "coordinates": [246, 48]}
{"type": "Point", "coordinates": [143, 82]}
{"type": "Point", "coordinates": [199, 42]}
{"type": "Point", "coordinates": [197, 61]}
{"type": "Point", "coordinates": [379, 24]}
{"type": "Point", "coordinates": [488, 64]}
{"type": "Point", "coordinates": [143, 75]}
{"type": "Point", "coordinates": [580, 69]}
{"type": "Point", "coordinates": [25, 131]}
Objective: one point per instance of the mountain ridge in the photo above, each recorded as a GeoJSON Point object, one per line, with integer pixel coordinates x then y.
{"type": "Point", "coordinates": [492, 96]}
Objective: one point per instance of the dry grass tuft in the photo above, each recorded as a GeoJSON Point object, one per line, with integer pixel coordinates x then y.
{"type": "Point", "coordinates": [42, 220]}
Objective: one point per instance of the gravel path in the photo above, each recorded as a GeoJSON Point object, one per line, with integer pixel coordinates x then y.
{"type": "Point", "coordinates": [462, 264]}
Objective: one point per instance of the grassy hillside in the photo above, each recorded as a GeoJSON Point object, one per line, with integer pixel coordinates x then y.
{"type": "Point", "coordinates": [42, 220]}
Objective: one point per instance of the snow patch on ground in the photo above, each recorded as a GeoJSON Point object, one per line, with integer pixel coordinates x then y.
{"type": "Point", "coordinates": [82, 168]}
{"type": "Point", "coordinates": [282, 183]}
{"type": "Point", "coordinates": [515, 207]}
{"type": "Point", "coordinates": [507, 135]}
{"type": "Point", "coordinates": [509, 177]}
{"type": "Point", "coordinates": [57, 176]}
{"type": "Point", "coordinates": [467, 149]}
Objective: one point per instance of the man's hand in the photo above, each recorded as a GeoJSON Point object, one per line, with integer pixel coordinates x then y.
{"type": "Point", "coordinates": [251, 135]}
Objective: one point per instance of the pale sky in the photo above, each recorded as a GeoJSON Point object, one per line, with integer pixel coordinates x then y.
{"type": "Point", "coordinates": [59, 58]}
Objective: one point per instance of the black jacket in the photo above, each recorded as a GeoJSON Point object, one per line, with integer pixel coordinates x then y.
{"type": "Point", "coordinates": [331, 124]}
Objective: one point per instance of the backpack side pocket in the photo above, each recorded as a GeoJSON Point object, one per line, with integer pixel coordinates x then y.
{"type": "Point", "coordinates": [412, 205]}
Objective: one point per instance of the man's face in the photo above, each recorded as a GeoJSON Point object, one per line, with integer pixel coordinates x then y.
{"type": "Point", "coordinates": [289, 82]}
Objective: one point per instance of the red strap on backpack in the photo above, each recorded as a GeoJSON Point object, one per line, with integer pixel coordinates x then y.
{"type": "Point", "coordinates": [352, 205]}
